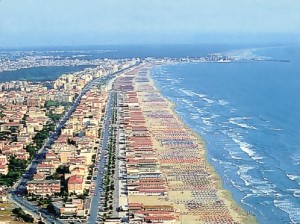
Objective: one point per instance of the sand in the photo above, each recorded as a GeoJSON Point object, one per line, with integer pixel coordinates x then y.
{"type": "Point", "coordinates": [220, 206]}
{"type": "Point", "coordinates": [193, 188]}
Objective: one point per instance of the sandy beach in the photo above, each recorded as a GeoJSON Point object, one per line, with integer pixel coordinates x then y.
{"type": "Point", "coordinates": [190, 188]}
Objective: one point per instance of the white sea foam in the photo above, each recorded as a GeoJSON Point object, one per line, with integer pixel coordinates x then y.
{"type": "Point", "coordinates": [214, 159]}
{"type": "Point", "coordinates": [208, 100]}
{"type": "Point", "coordinates": [207, 122]}
{"type": "Point", "coordinates": [264, 192]}
{"type": "Point", "coordinates": [257, 157]}
{"type": "Point", "coordinates": [248, 196]}
{"type": "Point", "coordinates": [275, 129]}
{"type": "Point", "coordinates": [188, 102]}
{"type": "Point", "coordinates": [242, 172]}
{"type": "Point", "coordinates": [263, 188]}
{"type": "Point", "coordinates": [277, 195]}
{"type": "Point", "coordinates": [214, 116]}
{"type": "Point", "coordinates": [204, 130]}
{"type": "Point", "coordinates": [245, 147]}
{"type": "Point", "coordinates": [295, 192]}
{"type": "Point", "coordinates": [224, 163]}
{"type": "Point", "coordinates": [200, 95]}
{"type": "Point", "coordinates": [187, 92]}
{"type": "Point", "coordinates": [244, 169]}
{"type": "Point", "coordinates": [296, 158]}
{"type": "Point", "coordinates": [292, 177]}
{"type": "Point", "coordinates": [174, 81]}
{"type": "Point", "coordinates": [204, 97]}
{"type": "Point", "coordinates": [233, 155]}
{"type": "Point", "coordinates": [195, 116]}
{"type": "Point", "coordinates": [244, 118]}
{"type": "Point", "coordinates": [237, 121]}
{"type": "Point", "coordinates": [223, 102]}
{"type": "Point", "coordinates": [257, 186]}
{"type": "Point", "coordinates": [235, 184]}
{"type": "Point", "coordinates": [290, 208]}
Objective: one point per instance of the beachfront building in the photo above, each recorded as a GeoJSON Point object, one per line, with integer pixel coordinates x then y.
{"type": "Point", "coordinates": [45, 168]}
{"type": "Point", "coordinates": [76, 184]}
{"type": "Point", "coordinates": [73, 208]}
{"type": "Point", "coordinates": [3, 169]}
{"type": "Point", "coordinates": [43, 187]}
{"type": "Point", "coordinates": [3, 164]}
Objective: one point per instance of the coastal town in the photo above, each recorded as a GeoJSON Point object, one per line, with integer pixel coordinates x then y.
{"type": "Point", "coordinates": [160, 112]}
{"type": "Point", "coordinates": [13, 60]}
{"type": "Point", "coordinates": [16, 60]}
{"type": "Point", "coordinates": [103, 146]}
{"type": "Point", "coordinates": [48, 145]}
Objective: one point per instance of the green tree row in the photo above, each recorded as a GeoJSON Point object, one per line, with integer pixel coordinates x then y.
{"type": "Point", "coordinates": [21, 214]}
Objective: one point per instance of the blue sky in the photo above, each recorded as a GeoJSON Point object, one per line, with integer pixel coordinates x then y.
{"type": "Point", "coordinates": [80, 22]}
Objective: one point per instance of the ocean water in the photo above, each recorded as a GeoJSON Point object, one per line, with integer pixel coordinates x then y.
{"type": "Point", "coordinates": [249, 117]}
{"type": "Point", "coordinates": [119, 51]}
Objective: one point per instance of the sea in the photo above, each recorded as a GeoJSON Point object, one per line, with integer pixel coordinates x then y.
{"type": "Point", "coordinates": [246, 112]}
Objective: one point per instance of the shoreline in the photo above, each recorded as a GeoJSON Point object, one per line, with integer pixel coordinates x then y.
{"type": "Point", "coordinates": [235, 209]}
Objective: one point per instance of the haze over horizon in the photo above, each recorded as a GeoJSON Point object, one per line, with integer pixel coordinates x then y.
{"type": "Point", "coordinates": [66, 22]}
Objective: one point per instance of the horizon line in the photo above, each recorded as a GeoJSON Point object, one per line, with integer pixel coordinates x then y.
{"type": "Point", "coordinates": [145, 44]}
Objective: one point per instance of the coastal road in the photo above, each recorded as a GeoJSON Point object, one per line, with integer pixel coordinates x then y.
{"type": "Point", "coordinates": [117, 170]}
{"type": "Point", "coordinates": [118, 177]}
{"type": "Point", "coordinates": [19, 187]}
{"type": "Point", "coordinates": [120, 197]}
{"type": "Point", "coordinates": [99, 192]}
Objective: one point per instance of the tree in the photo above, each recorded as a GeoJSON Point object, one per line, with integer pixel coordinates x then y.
{"type": "Point", "coordinates": [56, 176]}
{"type": "Point", "coordinates": [17, 211]}
{"type": "Point", "coordinates": [51, 208]}
{"type": "Point", "coordinates": [28, 218]}
{"type": "Point", "coordinates": [55, 117]}
{"type": "Point", "coordinates": [17, 164]}
{"type": "Point", "coordinates": [81, 196]}
{"type": "Point", "coordinates": [51, 103]}
{"type": "Point", "coordinates": [50, 126]}
{"type": "Point", "coordinates": [71, 142]}
{"type": "Point", "coordinates": [62, 169]}
{"type": "Point", "coordinates": [1, 115]}
{"type": "Point", "coordinates": [31, 150]}
{"type": "Point", "coordinates": [21, 214]}
{"type": "Point", "coordinates": [13, 129]}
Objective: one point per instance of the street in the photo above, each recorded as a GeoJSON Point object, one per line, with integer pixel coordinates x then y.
{"type": "Point", "coordinates": [99, 181]}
